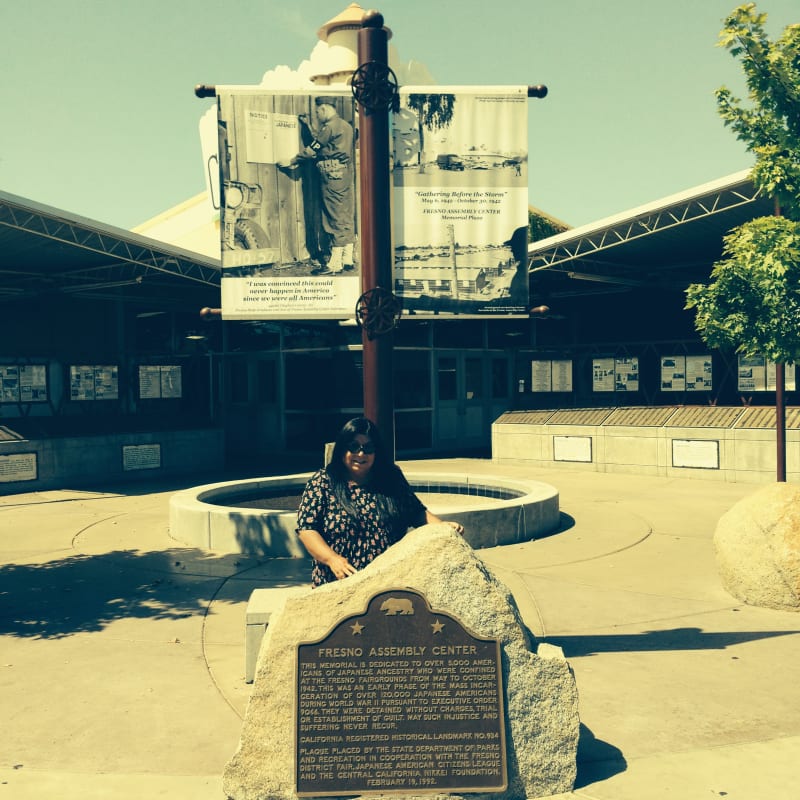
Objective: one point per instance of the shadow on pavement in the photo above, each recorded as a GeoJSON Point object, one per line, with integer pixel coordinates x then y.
{"type": "Point", "coordinates": [672, 639]}
{"type": "Point", "coordinates": [565, 522]}
{"type": "Point", "coordinates": [264, 536]}
{"type": "Point", "coordinates": [85, 593]}
{"type": "Point", "coordinates": [597, 760]}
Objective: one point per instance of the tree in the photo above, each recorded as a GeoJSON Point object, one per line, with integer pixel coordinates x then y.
{"type": "Point", "coordinates": [541, 225]}
{"type": "Point", "coordinates": [753, 302]}
{"type": "Point", "coordinates": [435, 111]}
{"type": "Point", "coordinates": [771, 126]}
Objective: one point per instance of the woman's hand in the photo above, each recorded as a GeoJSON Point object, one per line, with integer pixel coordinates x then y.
{"type": "Point", "coordinates": [432, 519]}
{"type": "Point", "coordinates": [457, 527]}
{"type": "Point", "coordinates": [340, 566]}
{"type": "Point", "coordinates": [321, 551]}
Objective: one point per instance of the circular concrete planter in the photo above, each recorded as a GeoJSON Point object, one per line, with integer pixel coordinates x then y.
{"type": "Point", "coordinates": [493, 510]}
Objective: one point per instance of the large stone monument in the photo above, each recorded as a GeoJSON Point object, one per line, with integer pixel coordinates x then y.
{"type": "Point", "coordinates": [430, 575]}
{"type": "Point", "coordinates": [757, 546]}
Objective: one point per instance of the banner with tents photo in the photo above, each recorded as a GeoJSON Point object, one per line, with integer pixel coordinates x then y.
{"type": "Point", "coordinates": [460, 177]}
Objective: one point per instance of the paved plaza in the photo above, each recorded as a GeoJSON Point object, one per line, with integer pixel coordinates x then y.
{"type": "Point", "coordinates": [122, 652]}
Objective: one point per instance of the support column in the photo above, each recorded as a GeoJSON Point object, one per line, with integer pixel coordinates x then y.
{"type": "Point", "coordinates": [376, 232]}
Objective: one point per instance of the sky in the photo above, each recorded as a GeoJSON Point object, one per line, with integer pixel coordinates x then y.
{"type": "Point", "coordinates": [99, 116]}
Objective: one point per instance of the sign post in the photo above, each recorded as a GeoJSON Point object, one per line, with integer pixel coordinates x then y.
{"type": "Point", "coordinates": [378, 309]}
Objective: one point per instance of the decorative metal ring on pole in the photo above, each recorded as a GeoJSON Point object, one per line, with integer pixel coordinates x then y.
{"type": "Point", "coordinates": [378, 311]}
{"type": "Point", "coordinates": [374, 87]}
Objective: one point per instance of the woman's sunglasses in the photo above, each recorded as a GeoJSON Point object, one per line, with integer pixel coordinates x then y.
{"type": "Point", "coordinates": [367, 448]}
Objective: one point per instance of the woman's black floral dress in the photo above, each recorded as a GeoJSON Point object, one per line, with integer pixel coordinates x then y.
{"type": "Point", "coordinates": [360, 539]}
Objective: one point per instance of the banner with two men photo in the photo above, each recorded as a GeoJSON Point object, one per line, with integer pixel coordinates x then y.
{"type": "Point", "coordinates": [288, 204]}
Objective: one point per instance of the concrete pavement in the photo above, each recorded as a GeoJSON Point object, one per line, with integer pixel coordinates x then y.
{"type": "Point", "coordinates": [122, 651]}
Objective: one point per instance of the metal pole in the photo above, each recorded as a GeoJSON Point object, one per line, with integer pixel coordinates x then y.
{"type": "Point", "coordinates": [376, 231]}
{"type": "Point", "coordinates": [204, 90]}
{"type": "Point", "coordinates": [780, 421]}
{"type": "Point", "coordinates": [780, 405]}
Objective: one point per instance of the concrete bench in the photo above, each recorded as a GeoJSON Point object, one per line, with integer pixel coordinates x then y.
{"type": "Point", "coordinates": [260, 607]}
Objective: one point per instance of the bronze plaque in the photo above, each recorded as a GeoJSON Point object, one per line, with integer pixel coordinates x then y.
{"type": "Point", "coordinates": [400, 699]}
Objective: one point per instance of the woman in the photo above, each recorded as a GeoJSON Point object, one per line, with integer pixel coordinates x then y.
{"type": "Point", "coordinates": [357, 506]}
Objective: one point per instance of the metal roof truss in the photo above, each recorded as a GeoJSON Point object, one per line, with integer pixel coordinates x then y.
{"type": "Point", "coordinates": [122, 252]}
{"type": "Point", "coordinates": [643, 225]}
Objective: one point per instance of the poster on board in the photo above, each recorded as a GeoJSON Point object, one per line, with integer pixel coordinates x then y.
{"type": "Point", "coordinates": [603, 374]}
{"type": "Point", "coordinates": [81, 382]}
{"type": "Point", "coordinates": [686, 373]}
{"type": "Point", "coordinates": [33, 383]}
{"type": "Point", "coordinates": [171, 381]}
{"type": "Point", "coordinates": [93, 382]}
{"type": "Point", "coordinates": [562, 375]}
{"type": "Point", "coordinates": [752, 374]}
{"type": "Point", "coordinates": [699, 373]}
{"type": "Point", "coordinates": [106, 382]}
{"type": "Point", "coordinates": [756, 374]}
{"type": "Point", "coordinates": [541, 376]}
{"type": "Point", "coordinates": [159, 381]}
{"type": "Point", "coordinates": [673, 373]}
{"type": "Point", "coordinates": [789, 383]}
{"type": "Point", "coordinates": [551, 375]}
{"type": "Point", "coordinates": [288, 212]}
{"type": "Point", "coordinates": [626, 377]}
{"type": "Point", "coordinates": [149, 381]}
{"type": "Point", "coordinates": [460, 200]}
{"type": "Point", "coordinates": [9, 383]}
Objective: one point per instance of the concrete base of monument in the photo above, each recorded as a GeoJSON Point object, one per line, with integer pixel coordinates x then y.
{"type": "Point", "coordinates": [258, 517]}
{"type": "Point", "coordinates": [366, 732]}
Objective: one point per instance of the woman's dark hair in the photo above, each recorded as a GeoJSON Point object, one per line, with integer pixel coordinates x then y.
{"type": "Point", "coordinates": [385, 477]}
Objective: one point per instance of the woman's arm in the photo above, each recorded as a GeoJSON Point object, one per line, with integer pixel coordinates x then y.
{"type": "Point", "coordinates": [313, 508]}
{"type": "Point", "coordinates": [321, 551]}
{"type": "Point", "coordinates": [421, 512]}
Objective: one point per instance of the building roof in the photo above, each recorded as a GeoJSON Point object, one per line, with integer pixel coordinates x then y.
{"type": "Point", "coordinates": [669, 242]}
{"type": "Point", "coordinates": [45, 250]}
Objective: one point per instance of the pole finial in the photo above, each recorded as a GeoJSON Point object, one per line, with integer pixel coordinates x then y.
{"type": "Point", "coordinates": [372, 19]}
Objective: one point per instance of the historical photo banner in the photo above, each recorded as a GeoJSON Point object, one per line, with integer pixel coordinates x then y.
{"type": "Point", "coordinates": [288, 213]}
{"type": "Point", "coordinates": [460, 178]}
